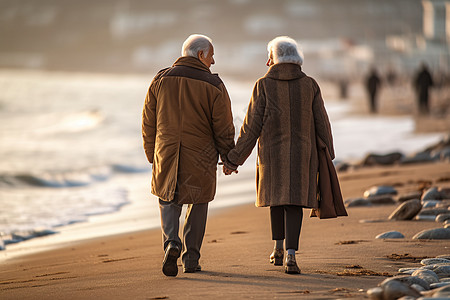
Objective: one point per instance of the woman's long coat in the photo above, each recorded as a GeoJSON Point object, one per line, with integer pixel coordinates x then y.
{"type": "Point", "coordinates": [186, 123]}
{"type": "Point", "coordinates": [285, 113]}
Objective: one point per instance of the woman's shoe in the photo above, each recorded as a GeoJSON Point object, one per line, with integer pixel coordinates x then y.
{"type": "Point", "coordinates": [276, 257]}
{"type": "Point", "coordinates": [290, 266]}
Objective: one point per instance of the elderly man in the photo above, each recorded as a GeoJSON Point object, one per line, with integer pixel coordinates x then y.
{"type": "Point", "coordinates": [287, 114]}
{"type": "Point", "coordinates": [187, 123]}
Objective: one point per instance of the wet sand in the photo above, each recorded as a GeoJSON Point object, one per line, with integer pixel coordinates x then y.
{"type": "Point", "coordinates": [338, 257]}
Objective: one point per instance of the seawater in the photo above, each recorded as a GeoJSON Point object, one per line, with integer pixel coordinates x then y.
{"type": "Point", "coordinates": [71, 149]}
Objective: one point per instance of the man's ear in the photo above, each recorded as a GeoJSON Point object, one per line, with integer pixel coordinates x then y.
{"type": "Point", "coordinates": [200, 54]}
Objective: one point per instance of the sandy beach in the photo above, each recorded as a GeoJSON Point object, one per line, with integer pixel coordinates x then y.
{"type": "Point", "coordinates": [339, 258]}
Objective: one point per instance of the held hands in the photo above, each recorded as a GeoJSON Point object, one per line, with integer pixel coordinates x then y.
{"type": "Point", "coordinates": [229, 168]}
{"type": "Point", "coordinates": [227, 171]}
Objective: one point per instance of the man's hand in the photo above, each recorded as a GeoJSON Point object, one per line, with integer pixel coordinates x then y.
{"type": "Point", "coordinates": [228, 171]}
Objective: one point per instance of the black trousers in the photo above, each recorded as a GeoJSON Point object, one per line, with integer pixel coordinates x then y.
{"type": "Point", "coordinates": [286, 223]}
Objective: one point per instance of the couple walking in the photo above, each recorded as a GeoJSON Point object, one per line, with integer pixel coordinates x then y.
{"type": "Point", "coordinates": [188, 123]}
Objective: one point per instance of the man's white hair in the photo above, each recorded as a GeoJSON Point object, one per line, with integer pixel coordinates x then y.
{"type": "Point", "coordinates": [285, 50]}
{"type": "Point", "coordinates": [195, 43]}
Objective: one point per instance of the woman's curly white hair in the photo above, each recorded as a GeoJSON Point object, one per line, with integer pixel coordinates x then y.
{"type": "Point", "coordinates": [285, 50]}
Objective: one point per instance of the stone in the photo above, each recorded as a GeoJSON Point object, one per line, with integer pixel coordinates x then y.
{"type": "Point", "coordinates": [373, 159]}
{"type": "Point", "coordinates": [356, 202]}
{"type": "Point", "coordinates": [431, 194]}
{"type": "Point", "coordinates": [433, 234]}
{"type": "Point", "coordinates": [439, 284]}
{"type": "Point", "coordinates": [381, 200]}
{"type": "Point", "coordinates": [433, 211]}
{"type": "Point", "coordinates": [430, 218]}
{"type": "Point", "coordinates": [432, 261]}
{"type": "Point", "coordinates": [427, 275]}
{"type": "Point", "coordinates": [375, 293]}
{"type": "Point", "coordinates": [380, 190]}
{"type": "Point", "coordinates": [439, 292]}
{"type": "Point", "coordinates": [407, 210]}
{"type": "Point", "coordinates": [408, 271]}
{"type": "Point", "coordinates": [441, 218]}
{"type": "Point", "coordinates": [410, 196]}
{"type": "Point", "coordinates": [442, 271]}
{"type": "Point", "coordinates": [408, 280]}
{"type": "Point", "coordinates": [419, 157]}
{"type": "Point", "coordinates": [417, 287]}
{"type": "Point", "coordinates": [394, 289]}
{"type": "Point", "coordinates": [444, 203]}
{"type": "Point", "coordinates": [430, 203]}
{"type": "Point", "coordinates": [390, 235]}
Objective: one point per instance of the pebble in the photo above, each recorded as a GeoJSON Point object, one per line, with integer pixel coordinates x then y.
{"type": "Point", "coordinates": [431, 194]}
{"type": "Point", "coordinates": [390, 235]}
{"type": "Point", "coordinates": [439, 292]}
{"type": "Point", "coordinates": [442, 271]}
{"type": "Point", "coordinates": [407, 210]}
{"type": "Point", "coordinates": [380, 190]}
{"type": "Point", "coordinates": [433, 211]}
{"type": "Point", "coordinates": [356, 202]}
{"type": "Point", "coordinates": [408, 271]}
{"type": "Point", "coordinates": [439, 284]}
{"type": "Point", "coordinates": [430, 203]}
{"type": "Point", "coordinates": [432, 261]}
{"type": "Point", "coordinates": [433, 234]}
{"type": "Point", "coordinates": [395, 289]}
{"type": "Point", "coordinates": [409, 280]}
{"type": "Point", "coordinates": [381, 200]}
{"type": "Point", "coordinates": [373, 159]}
{"type": "Point", "coordinates": [427, 275]}
{"type": "Point", "coordinates": [425, 218]}
{"type": "Point", "coordinates": [441, 218]}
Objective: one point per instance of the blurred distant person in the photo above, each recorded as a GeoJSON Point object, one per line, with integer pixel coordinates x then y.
{"type": "Point", "coordinates": [391, 77]}
{"type": "Point", "coordinates": [343, 87]}
{"type": "Point", "coordinates": [422, 84]}
{"type": "Point", "coordinates": [187, 123]}
{"type": "Point", "coordinates": [373, 83]}
{"type": "Point", "coordinates": [287, 114]}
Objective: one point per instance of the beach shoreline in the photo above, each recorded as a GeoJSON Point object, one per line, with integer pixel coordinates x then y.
{"type": "Point", "coordinates": [338, 257]}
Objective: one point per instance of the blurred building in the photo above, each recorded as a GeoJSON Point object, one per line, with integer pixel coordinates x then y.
{"type": "Point", "coordinates": [432, 45]}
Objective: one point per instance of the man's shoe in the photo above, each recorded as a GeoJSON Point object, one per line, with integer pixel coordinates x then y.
{"type": "Point", "coordinates": [276, 257]}
{"type": "Point", "coordinates": [198, 268]}
{"type": "Point", "coordinates": [170, 267]}
{"type": "Point", "coordinates": [291, 265]}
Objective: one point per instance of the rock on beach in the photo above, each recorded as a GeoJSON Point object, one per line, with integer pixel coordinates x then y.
{"type": "Point", "coordinates": [390, 235]}
{"type": "Point", "coordinates": [407, 210]}
{"type": "Point", "coordinates": [433, 234]}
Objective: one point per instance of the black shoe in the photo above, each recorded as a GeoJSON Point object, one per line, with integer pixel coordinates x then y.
{"type": "Point", "coordinates": [276, 257]}
{"type": "Point", "coordinates": [290, 266]}
{"type": "Point", "coordinates": [198, 268]}
{"type": "Point", "coordinates": [170, 267]}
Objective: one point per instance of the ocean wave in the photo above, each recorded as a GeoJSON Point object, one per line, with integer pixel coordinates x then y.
{"type": "Point", "coordinates": [34, 213]}
{"type": "Point", "coordinates": [64, 179]}
{"type": "Point", "coordinates": [57, 179]}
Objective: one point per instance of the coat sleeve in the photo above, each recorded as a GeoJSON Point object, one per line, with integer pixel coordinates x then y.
{"type": "Point", "coordinates": [251, 128]}
{"type": "Point", "coordinates": [149, 125]}
{"type": "Point", "coordinates": [222, 123]}
{"type": "Point", "coordinates": [321, 121]}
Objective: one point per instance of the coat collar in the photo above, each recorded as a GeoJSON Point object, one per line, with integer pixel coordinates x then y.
{"type": "Point", "coordinates": [285, 71]}
{"type": "Point", "coordinates": [192, 62]}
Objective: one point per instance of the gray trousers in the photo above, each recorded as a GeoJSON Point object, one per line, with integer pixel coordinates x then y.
{"type": "Point", "coordinates": [286, 223]}
{"type": "Point", "coordinates": [193, 229]}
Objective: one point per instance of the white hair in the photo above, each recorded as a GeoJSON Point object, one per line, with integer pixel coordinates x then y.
{"type": "Point", "coordinates": [285, 50]}
{"type": "Point", "coordinates": [195, 43]}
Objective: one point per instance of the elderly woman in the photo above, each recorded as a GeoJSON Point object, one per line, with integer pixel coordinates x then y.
{"type": "Point", "coordinates": [287, 114]}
